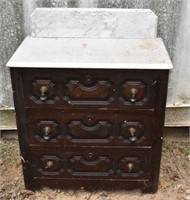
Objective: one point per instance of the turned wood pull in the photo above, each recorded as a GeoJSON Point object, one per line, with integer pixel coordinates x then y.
{"type": "Point", "coordinates": [49, 165]}
{"type": "Point", "coordinates": [43, 93]}
{"type": "Point", "coordinates": [134, 93]}
{"type": "Point", "coordinates": [133, 137]}
{"type": "Point", "coordinates": [130, 167]}
{"type": "Point", "coordinates": [47, 131]}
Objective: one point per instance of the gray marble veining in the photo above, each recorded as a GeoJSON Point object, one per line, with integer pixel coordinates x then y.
{"type": "Point", "coordinates": [93, 23]}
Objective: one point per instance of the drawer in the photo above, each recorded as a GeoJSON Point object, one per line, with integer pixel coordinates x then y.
{"type": "Point", "coordinates": [88, 128]}
{"type": "Point", "coordinates": [80, 163]}
{"type": "Point", "coordinates": [90, 88]}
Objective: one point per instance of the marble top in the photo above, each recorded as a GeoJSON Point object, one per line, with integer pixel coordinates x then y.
{"type": "Point", "coordinates": [91, 53]}
{"type": "Point", "coordinates": [93, 23]}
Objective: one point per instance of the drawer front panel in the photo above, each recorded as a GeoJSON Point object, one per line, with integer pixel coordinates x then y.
{"type": "Point", "coordinates": [90, 88]}
{"type": "Point", "coordinates": [62, 127]}
{"type": "Point", "coordinates": [91, 162]}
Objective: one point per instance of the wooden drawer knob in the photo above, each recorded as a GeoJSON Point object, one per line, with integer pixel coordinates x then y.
{"type": "Point", "coordinates": [43, 93]}
{"type": "Point", "coordinates": [49, 165]}
{"type": "Point", "coordinates": [47, 133]}
{"type": "Point", "coordinates": [134, 93]}
{"type": "Point", "coordinates": [133, 137]}
{"type": "Point", "coordinates": [130, 167]}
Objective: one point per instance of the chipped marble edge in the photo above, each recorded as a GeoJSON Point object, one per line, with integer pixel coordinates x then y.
{"type": "Point", "coordinates": [88, 65]}
{"type": "Point", "coordinates": [38, 30]}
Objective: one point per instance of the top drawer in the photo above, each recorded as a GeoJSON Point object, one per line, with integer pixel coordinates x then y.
{"type": "Point", "coordinates": [76, 88]}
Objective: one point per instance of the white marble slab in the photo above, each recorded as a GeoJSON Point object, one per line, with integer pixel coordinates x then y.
{"type": "Point", "coordinates": [93, 23]}
{"type": "Point", "coordinates": [91, 53]}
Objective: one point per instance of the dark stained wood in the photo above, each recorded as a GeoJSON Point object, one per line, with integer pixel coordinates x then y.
{"type": "Point", "coordinates": [87, 184]}
{"type": "Point", "coordinates": [88, 162]}
{"type": "Point", "coordinates": [160, 105]}
{"type": "Point", "coordinates": [106, 88]}
{"type": "Point", "coordinates": [90, 128]}
{"type": "Point", "coordinates": [21, 119]}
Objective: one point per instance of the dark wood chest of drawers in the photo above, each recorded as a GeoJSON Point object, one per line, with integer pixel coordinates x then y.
{"type": "Point", "coordinates": [91, 128]}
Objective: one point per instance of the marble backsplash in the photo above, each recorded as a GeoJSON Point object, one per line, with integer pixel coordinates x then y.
{"type": "Point", "coordinates": [93, 23]}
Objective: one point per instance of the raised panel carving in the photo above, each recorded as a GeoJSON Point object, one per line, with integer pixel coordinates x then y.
{"type": "Point", "coordinates": [99, 92]}
{"type": "Point", "coordinates": [77, 131]}
{"type": "Point", "coordinates": [90, 166]}
{"type": "Point", "coordinates": [132, 132]}
{"type": "Point", "coordinates": [44, 92]}
{"type": "Point", "coordinates": [51, 165]}
{"type": "Point", "coordinates": [133, 92]}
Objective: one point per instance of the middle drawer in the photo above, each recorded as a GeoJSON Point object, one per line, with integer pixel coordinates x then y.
{"type": "Point", "coordinates": [88, 128]}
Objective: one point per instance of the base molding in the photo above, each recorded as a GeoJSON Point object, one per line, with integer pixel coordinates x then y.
{"type": "Point", "coordinates": [7, 119]}
{"type": "Point", "coordinates": [177, 117]}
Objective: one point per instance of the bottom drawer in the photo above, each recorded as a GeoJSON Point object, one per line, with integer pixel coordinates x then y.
{"type": "Point", "coordinates": [89, 162]}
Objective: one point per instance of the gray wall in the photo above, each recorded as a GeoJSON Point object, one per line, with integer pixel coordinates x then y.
{"type": "Point", "coordinates": [173, 27]}
{"type": "Point", "coordinates": [179, 93]}
{"type": "Point", "coordinates": [11, 35]}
